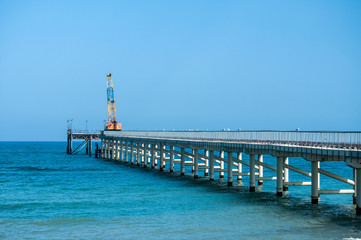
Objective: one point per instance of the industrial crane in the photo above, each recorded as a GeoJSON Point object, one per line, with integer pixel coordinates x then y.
{"type": "Point", "coordinates": [112, 124]}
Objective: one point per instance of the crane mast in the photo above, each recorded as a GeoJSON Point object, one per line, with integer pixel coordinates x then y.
{"type": "Point", "coordinates": [112, 123]}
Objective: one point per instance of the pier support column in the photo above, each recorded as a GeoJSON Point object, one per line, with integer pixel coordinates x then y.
{"type": "Point", "coordinates": [221, 164]}
{"type": "Point", "coordinates": [113, 150]}
{"type": "Point", "coordinates": [285, 174]}
{"type": "Point", "coordinates": [260, 170]}
{"type": "Point", "coordinates": [138, 154]}
{"type": "Point", "coordinates": [145, 155]}
{"type": "Point", "coordinates": [354, 171]}
{"type": "Point", "coordinates": [149, 147]}
{"type": "Point", "coordinates": [90, 146]}
{"type": "Point", "coordinates": [126, 152]}
{"type": "Point", "coordinates": [87, 146]}
{"type": "Point", "coordinates": [71, 143]}
{"type": "Point", "coordinates": [132, 153]}
{"type": "Point", "coordinates": [67, 145]}
{"type": "Point", "coordinates": [105, 148]}
{"type": "Point", "coordinates": [358, 189]}
{"type": "Point", "coordinates": [211, 165]}
{"type": "Point", "coordinates": [195, 162]}
{"type": "Point", "coordinates": [315, 165]}
{"type": "Point", "coordinates": [102, 148]}
{"type": "Point", "coordinates": [161, 157]}
{"type": "Point", "coordinates": [108, 149]}
{"type": "Point", "coordinates": [121, 153]}
{"type": "Point", "coordinates": [156, 156]}
{"type": "Point", "coordinates": [239, 157]}
{"type": "Point", "coordinates": [171, 159]}
{"type": "Point", "coordinates": [117, 150]}
{"type": "Point", "coordinates": [279, 176]}
{"type": "Point", "coordinates": [252, 172]}
{"type": "Point", "coordinates": [230, 169]}
{"type": "Point", "coordinates": [152, 156]}
{"type": "Point", "coordinates": [182, 162]}
{"type": "Point", "coordinates": [206, 162]}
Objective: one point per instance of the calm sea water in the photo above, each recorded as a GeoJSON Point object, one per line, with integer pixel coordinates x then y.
{"type": "Point", "coordinates": [46, 194]}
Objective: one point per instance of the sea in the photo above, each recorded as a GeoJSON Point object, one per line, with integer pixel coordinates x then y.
{"type": "Point", "coordinates": [47, 194]}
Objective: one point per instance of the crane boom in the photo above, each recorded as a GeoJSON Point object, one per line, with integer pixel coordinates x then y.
{"type": "Point", "coordinates": [112, 123]}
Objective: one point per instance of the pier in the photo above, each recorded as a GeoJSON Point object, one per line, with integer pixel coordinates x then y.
{"type": "Point", "coordinates": [86, 136]}
{"type": "Point", "coordinates": [218, 153]}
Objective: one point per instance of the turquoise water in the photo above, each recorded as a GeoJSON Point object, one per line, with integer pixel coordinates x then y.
{"type": "Point", "coordinates": [46, 194]}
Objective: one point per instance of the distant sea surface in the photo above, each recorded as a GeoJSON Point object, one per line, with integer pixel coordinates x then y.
{"type": "Point", "coordinates": [47, 194]}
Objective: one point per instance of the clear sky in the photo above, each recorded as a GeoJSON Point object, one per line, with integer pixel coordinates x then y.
{"type": "Point", "coordinates": [179, 65]}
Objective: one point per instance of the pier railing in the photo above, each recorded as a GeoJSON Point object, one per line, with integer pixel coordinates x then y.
{"type": "Point", "coordinates": [75, 131]}
{"type": "Point", "coordinates": [322, 139]}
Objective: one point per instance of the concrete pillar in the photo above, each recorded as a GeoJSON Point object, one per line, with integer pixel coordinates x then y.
{"type": "Point", "coordinates": [90, 146]}
{"type": "Point", "coordinates": [221, 164]}
{"type": "Point", "coordinates": [230, 169]}
{"type": "Point", "coordinates": [279, 176]}
{"type": "Point", "coordinates": [182, 162]}
{"type": "Point", "coordinates": [121, 151]}
{"type": "Point", "coordinates": [138, 153]}
{"type": "Point", "coordinates": [145, 163]}
{"type": "Point", "coordinates": [239, 157]}
{"type": "Point", "coordinates": [109, 145]}
{"type": "Point", "coordinates": [164, 147]}
{"type": "Point", "coordinates": [315, 181]}
{"type": "Point", "coordinates": [211, 165]}
{"type": "Point", "coordinates": [112, 150]}
{"type": "Point", "coordinates": [117, 150]}
{"type": "Point", "coordinates": [285, 174]}
{"type": "Point", "coordinates": [87, 146]}
{"type": "Point", "coordinates": [260, 170]}
{"type": "Point", "coordinates": [206, 162]}
{"type": "Point", "coordinates": [171, 160]}
{"type": "Point", "coordinates": [149, 148]}
{"type": "Point", "coordinates": [252, 172]}
{"type": "Point", "coordinates": [105, 149]}
{"type": "Point", "coordinates": [195, 162]}
{"type": "Point", "coordinates": [358, 189]}
{"type": "Point", "coordinates": [142, 157]}
{"type": "Point", "coordinates": [132, 153]}
{"type": "Point", "coordinates": [161, 157]}
{"type": "Point", "coordinates": [155, 156]}
{"type": "Point", "coordinates": [354, 171]}
{"type": "Point", "coordinates": [67, 145]}
{"type": "Point", "coordinates": [109, 149]}
{"type": "Point", "coordinates": [71, 143]}
{"type": "Point", "coordinates": [126, 152]}
{"type": "Point", "coordinates": [102, 148]}
{"type": "Point", "coordinates": [152, 156]}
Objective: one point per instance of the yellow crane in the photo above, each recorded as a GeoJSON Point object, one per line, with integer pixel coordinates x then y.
{"type": "Point", "coordinates": [112, 123]}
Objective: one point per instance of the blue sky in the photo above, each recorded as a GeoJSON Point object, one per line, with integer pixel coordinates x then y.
{"type": "Point", "coordinates": [179, 65]}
